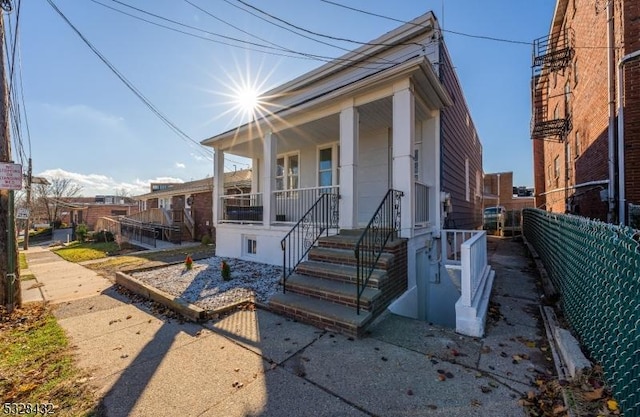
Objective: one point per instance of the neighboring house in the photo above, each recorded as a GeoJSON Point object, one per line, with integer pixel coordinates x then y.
{"type": "Point", "coordinates": [191, 199]}
{"type": "Point", "coordinates": [499, 191]}
{"type": "Point", "coordinates": [586, 110]}
{"type": "Point", "coordinates": [390, 115]}
{"type": "Point", "coordinates": [87, 210]}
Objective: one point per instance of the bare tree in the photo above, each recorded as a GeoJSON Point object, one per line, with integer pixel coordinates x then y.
{"type": "Point", "coordinates": [51, 198]}
{"type": "Point", "coordinates": [122, 193]}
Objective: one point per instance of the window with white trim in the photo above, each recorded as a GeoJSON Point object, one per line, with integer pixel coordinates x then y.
{"type": "Point", "coordinates": [287, 172]}
{"type": "Point", "coordinates": [325, 167]}
{"type": "Point", "coordinates": [250, 245]}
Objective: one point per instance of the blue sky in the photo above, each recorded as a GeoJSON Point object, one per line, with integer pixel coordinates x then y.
{"type": "Point", "coordinates": [85, 124]}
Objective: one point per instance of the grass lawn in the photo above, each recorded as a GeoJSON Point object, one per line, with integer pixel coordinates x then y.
{"type": "Point", "coordinates": [150, 259]}
{"type": "Point", "coordinates": [37, 365]}
{"type": "Point", "coordinates": [22, 259]}
{"type": "Point", "coordinates": [78, 252]}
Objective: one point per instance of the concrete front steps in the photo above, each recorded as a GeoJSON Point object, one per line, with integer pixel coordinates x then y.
{"type": "Point", "coordinates": [323, 289]}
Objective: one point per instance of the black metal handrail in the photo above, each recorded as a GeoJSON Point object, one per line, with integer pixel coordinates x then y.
{"type": "Point", "coordinates": [384, 225]}
{"type": "Point", "coordinates": [321, 217]}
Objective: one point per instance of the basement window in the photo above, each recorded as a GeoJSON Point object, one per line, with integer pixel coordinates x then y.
{"type": "Point", "coordinates": [250, 245]}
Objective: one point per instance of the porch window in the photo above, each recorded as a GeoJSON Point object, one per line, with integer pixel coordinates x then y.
{"type": "Point", "coordinates": [328, 166]}
{"type": "Point", "coordinates": [287, 172]}
{"type": "Point", "coordinates": [416, 164]}
{"type": "Point", "coordinates": [325, 167]}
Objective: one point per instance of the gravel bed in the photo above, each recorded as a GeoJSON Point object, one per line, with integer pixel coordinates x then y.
{"type": "Point", "coordinates": [203, 284]}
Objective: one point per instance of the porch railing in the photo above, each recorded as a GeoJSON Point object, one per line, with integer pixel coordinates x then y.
{"type": "Point", "coordinates": [321, 218]}
{"type": "Point", "coordinates": [152, 215]}
{"type": "Point", "coordinates": [421, 204]}
{"type": "Point", "coordinates": [241, 208]}
{"type": "Point", "coordinates": [466, 250]}
{"type": "Point", "coordinates": [291, 205]}
{"type": "Point", "coordinates": [384, 225]}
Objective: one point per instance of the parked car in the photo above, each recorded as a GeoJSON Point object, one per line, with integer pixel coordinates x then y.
{"type": "Point", "coordinates": [494, 217]}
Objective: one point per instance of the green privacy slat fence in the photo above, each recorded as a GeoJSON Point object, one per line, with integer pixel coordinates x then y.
{"type": "Point", "coordinates": [595, 267]}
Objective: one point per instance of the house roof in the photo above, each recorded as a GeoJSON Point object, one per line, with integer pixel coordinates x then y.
{"type": "Point", "coordinates": [398, 53]}
{"type": "Point", "coordinates": [231, 179]}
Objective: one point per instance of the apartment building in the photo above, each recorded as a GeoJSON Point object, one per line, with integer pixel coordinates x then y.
{"type": "Point", "coordinates": [586, 110]}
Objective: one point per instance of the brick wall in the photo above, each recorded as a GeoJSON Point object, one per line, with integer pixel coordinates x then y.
{"type": "Point", "coordinates": [203, 215]}
{"type": "Point", "coordinates": [584, 158]}
{"type": "Point", "coordinates": [631, 13]}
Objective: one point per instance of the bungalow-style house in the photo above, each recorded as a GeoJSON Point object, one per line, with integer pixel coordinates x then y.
{"type": "Point", "coordinates": [188, 205]}
{"type": "Point", "coordinates": [360, 165]}
{"type": "Point", "coordinates": [87, 210]}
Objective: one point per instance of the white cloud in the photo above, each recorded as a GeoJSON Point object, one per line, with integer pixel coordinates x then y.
{"type": "Point", "coordinates": [84, 112]}
{"type": "Point", "coordinates": [97, 184]}
{"type": "Point", "coordinates": [180, 165]}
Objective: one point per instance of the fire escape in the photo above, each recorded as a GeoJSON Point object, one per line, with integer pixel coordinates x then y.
{"type": "Point", "coordinates": [551, 55]}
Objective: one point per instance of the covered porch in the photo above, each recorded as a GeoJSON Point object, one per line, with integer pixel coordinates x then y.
{"type": "Point", "coordinates": [357, 148]}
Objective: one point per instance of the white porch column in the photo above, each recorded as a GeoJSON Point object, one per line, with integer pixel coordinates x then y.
{"type": "Point", "coordinates": [218, 184]}
{"type": "Point", "coordinates": [255, 175]}
{"type": "Point", "coordinates": [403, 134]}
{"type": "Point", "coordinates": [348, 168]}
{"type": "Point", "coordinates": [270, 152]}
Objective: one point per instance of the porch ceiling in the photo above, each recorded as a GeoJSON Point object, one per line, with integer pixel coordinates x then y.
{"type": "Point", "coordinates": [374, 115]}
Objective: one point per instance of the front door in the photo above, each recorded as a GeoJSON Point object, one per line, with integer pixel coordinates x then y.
{"type": "Point", "coordinates": [374, 173]}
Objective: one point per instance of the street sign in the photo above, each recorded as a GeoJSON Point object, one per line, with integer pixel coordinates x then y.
{"type": "Point", "coordinates": [10, 176]}
{"type": "Point", "coordinates": [23, 213]}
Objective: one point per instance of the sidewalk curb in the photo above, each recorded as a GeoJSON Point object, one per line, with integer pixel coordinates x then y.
{"type": "Point", "coordinates": [177, 304]}
{"type": "Point", "coordinates": [547, 286]}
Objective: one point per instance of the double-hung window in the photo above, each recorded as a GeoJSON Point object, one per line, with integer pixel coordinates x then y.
{"type": "Point", "coordinates": [288, 172]}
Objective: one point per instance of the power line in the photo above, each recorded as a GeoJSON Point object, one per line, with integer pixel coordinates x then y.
{"type": "Point", "coordinates": [130, 86]}
{"type": "Point", "coordinates": [491, 38]}
{"type": "Point", "coordinates": [229, 38]}
{"type": "Point", "coordinates": [336, 38]}
{"type": "Point", "coordinates": [252, 35]}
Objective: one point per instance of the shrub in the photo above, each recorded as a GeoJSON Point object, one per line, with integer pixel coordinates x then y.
{"type": "Point", "coordinates": [82, 232]}
{"type": "Point", "coordinates": [103, 236]}
{"type": "Point", "coordinates": [206, 240]}
{"type": "Point", "coordinates": [225, 271]}
{"type": "Point", "coordinates": [188, 263]}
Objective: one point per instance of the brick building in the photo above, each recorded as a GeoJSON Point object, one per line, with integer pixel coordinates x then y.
{"type": "Point", "coordinates": [498, 191]}
{"type": "Point", "coordinates": [194, 196]}
{"type": "Point", "coordinates": [586, 156]}
{"type": "Point", "coordinates": [87, 210]}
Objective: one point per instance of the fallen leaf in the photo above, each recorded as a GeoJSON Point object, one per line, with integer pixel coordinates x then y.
{"type": "Point", "coordinates": [593, 395]}
{"type": "Point", "coordinates": [455, 352]}
{"type": "Point", "coordinates": [558, 408]}
{"type": "Point", "coordinates": [612, 405]}
{"type": "Point", "coordinates": [432, 406]}
{"type": "Point", "coordinates": [476, 403]}
{"type": "Point", "coordinates": [441, 377]}
{"type": "Point", "coordinates": [409, 392]}
{"type": "Point", "coordinates": [485, 389]}
{"type": "Point", "coordinates": [449, 375]}
{"type": "Point", "coordinates": [129, 316]}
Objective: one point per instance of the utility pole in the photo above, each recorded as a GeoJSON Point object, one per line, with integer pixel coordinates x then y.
{"type": "Point", "coordinates": [10, 294]}
{"type": "Point", "coordinates": [26, 222]}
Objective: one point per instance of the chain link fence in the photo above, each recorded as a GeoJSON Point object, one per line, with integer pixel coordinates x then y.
{"type": "Point", "coordinates": [595, 267]}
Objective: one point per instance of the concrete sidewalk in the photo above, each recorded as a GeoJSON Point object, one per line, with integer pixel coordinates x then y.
{"type": "Point", "coordinates": [57, 280]}
{"type": "Point", "coordinates": [255, 363]}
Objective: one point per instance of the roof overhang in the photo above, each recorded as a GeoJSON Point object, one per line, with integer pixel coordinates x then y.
{"type": "Point", "coordinates": [418, 69]}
